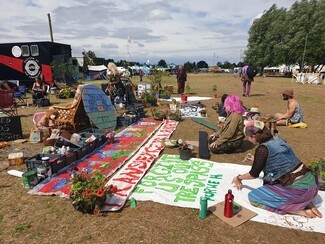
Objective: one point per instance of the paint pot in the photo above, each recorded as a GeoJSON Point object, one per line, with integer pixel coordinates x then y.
{"type": "Point", "coordinates": [30, 179]}
{"type": "Point", "coordinates": [46, 161]}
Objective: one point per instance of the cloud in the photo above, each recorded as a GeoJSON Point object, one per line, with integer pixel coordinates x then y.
{"type": "Point", "coordinates": [177, 31]}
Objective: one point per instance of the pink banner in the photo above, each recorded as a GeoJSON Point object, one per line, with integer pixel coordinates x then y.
{"type": "Point", "coordinates": [131, 173]}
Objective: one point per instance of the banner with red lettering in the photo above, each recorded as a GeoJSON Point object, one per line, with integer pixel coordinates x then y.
{"type": "Point", "coordinates": [131, 173]}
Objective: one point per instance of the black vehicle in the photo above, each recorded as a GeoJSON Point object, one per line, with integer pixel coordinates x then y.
{"type": "Point", "coordinates": [26, 60]}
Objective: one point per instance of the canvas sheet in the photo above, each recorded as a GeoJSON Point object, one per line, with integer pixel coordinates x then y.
{"type": "Point", "coordinates": [106, 159]}
{"type": "Point", "coordinates": [181, 183]}
{"type": "Point", "coordinates": [192, 111]}
{"type": "Point", "coordinates": [131, 173]}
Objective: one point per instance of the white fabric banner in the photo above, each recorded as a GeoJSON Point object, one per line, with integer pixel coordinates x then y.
{"type": "Point", "coordinates": [181, 183]}
{"type": "Point", "coordinates": [131, 173]}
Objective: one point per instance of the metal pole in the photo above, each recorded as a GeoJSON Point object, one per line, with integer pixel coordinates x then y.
{"type": "Point", "coordinates": [303, 54]}
{"type": "Point", "coordinates": [50, 24]}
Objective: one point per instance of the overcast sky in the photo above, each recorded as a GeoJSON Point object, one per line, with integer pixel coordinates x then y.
{"type": "Point", "coordinates": [176, 31]}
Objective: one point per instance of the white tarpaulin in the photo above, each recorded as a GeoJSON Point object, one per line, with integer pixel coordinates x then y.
{"type": "Point", "coordinates": [307, 78]}
{"type": "Point", "coordinates": [182, 182]}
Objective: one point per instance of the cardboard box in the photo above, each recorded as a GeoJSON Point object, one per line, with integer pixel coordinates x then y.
{"type": "Point", "coordinates": [241, 214]}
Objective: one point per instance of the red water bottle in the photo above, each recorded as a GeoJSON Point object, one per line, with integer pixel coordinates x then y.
{"type": "Point", "coordinates": [229, 204]}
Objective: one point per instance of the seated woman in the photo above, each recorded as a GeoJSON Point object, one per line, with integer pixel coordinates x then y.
{"type": "Point", "coordinates": [289, 186]}
{"type": "Point", "coordinates": [38, 90]}
{"type": "Point", "coordinates": [230, 137]}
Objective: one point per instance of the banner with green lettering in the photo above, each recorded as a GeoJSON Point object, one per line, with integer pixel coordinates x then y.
{"type": "Point", "coordinates": [182, 182]}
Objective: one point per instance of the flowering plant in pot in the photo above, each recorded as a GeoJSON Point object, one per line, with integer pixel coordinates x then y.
{"type": "Point", "coordinates": [88, 191]}
{"type": "Point", "coordinates": [110, 136]}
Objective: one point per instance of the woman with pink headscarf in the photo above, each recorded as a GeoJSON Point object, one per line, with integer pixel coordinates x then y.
{"type": "Point", "coordinates": [231, 136]}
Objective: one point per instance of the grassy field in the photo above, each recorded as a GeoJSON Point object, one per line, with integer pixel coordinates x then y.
{"type": "Point", "coordinates": [46, 219]}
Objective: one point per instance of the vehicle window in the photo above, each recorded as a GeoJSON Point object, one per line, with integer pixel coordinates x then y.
{"type": "Point", "coordinates": [34, 50]}
{"type": "Point", "coordinates": [24, 50]}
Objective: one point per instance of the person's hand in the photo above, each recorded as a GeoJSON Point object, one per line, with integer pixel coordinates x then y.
{"type": "Point", "coordinates": [214, 145]}
{"type": "Point", "coordinates": [237, 182]}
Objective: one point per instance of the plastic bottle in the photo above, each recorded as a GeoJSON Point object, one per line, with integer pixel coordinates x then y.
{"type": "Point", "coordinates": [229, 204]}
{"type": "Point", "coordinates": [203, 207]}
{"type": "Point", "coordinates": [133, 203]}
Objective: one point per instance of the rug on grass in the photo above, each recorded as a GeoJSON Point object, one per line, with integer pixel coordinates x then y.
{"type": "Point", "coordinates": [131, 173]}
{"type": "Point", "coordinates": [106, 159]}
{"type": "Point", "coordinates": [181, 183]}
{"type": "Point", "coordinates": [206, 123]}
{"type": "Point", "coordinates": [189, 98]}
{"type": "Point", "coordinates": [192, 111]}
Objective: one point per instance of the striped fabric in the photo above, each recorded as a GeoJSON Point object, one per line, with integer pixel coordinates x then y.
{"type": "Point", "coordinates": [283, 199]}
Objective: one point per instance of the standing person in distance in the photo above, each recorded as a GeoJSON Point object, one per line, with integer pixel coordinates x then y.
{"type": "Point", "coordinates": [181, 78]}
{"type": "Point", "coordinates": [247, 76]}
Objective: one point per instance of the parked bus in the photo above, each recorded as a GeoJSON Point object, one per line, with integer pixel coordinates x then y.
{"type": "Point", "coordinates": [26, 60]}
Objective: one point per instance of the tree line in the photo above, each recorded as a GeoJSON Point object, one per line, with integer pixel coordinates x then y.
{"type": "Point", "coordinates": [294, 36]}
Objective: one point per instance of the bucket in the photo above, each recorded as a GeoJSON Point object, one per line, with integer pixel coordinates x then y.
{"type": "Point", "coordinates": [53, 90]}
{"type": "Point", "coordinates": [184, 98]}
{"type": "Point", "coordinates": [30, 179]}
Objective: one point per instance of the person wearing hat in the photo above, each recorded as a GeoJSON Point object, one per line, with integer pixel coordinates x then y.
{"type": "Point", "coordinates": [288, 185]}
{"type": "Point", "coordinates": [294, 111]}
{"type": "Point", "coordinates": [253, 114]}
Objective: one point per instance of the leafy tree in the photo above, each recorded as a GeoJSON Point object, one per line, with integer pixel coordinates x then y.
{"type": "Point", "coordinates": [265, 37]}
{"type": "Point", "coordinates": [162, 63]}
{"type": "Point", "coordinates": [305, 35]}
{"type": "Point", "coordinates": [288, 37]}
{"type": "Point", "coordinates": [202, 64]}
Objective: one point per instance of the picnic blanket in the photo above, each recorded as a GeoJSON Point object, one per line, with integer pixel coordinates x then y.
{"type": "Point", "coordinates": [181, 183]}
{"type": "Point", "coordinates": [106, 159]}
{"type": "Point", "coordinates": [192, 111]}
{"type": "Point", "coordinates": [131, 173]}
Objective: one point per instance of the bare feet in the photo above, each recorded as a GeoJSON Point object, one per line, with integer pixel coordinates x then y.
{"type": "Point", "coordinates": [309, 212]}
{"type": "Point", "coordinates": [314, 210]}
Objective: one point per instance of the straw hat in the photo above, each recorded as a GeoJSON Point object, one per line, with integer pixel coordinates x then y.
{"type": "Point", "coordinates": [254, 110]}
{"type": "Point", "coordinates": [288, 92]}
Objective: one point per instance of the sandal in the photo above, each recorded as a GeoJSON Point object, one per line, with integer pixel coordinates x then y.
{"type": "Point", "coordinates": [171, 143]}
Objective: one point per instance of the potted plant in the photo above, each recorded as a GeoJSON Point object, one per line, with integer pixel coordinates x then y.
{"type": "Point", "coordinates": [110, 136]}
{"type": "Point", "coordinates": [187, 89]}
{"type": "Point", "coordinates": [165, 94]}
{"type": "Point", "coordinates": [214, 89]}
{"type": "Point", "coordinates": [318, 167]}
{"type": "Point", "coordinates": [88, 191]}
{"type": "Point", "coordinates": [185, 151]}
